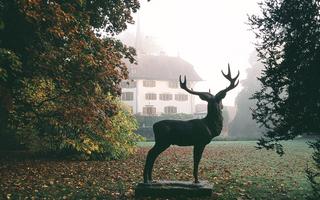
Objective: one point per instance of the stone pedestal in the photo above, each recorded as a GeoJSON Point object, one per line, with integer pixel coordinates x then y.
{"type": "Point", "coordinates": [174, 189]}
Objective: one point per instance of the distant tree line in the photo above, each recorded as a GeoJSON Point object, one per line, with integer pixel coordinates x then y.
{"type": "Point", "coordinates": [243, 126]}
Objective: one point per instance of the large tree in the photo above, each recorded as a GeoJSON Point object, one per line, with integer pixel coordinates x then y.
{"type": "Point", "coordinates": [58, 76]}
{"type": "Point", "coordinates": [288, 33]}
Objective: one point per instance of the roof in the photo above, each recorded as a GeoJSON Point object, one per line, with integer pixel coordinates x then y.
{"type": "Point", "coordinates": [162, 67]}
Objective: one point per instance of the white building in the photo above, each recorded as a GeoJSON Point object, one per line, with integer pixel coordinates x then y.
{"type": "Point", "coordinates": [153, 86]}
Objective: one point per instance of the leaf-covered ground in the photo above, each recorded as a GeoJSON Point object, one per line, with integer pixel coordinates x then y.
{"type": "Point", "coordinates": [236, 170]}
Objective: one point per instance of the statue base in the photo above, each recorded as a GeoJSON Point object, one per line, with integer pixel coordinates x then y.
{"type": "Point", "coordinates": [173, 189]}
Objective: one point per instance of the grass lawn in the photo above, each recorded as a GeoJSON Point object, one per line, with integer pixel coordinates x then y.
{"type": "Point", "coordinates": [235, 168]}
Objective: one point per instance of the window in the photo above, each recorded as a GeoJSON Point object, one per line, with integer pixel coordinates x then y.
{"type": "Point", "coordinates": [127, 96]}
{"type": "Point", "coordinates": [128, 84]}
{"type": "Point", "coordinates": [149, 110]}
{"type": "Point", "coordinates": [165, 97]}
{"type": "Point", "coordinates": [173, 84]}
{"type": "Point", "coordinates": [170, 109]}
{"type": "Point", "coordinates": [151, 96]}
{"type": "Point", "coordinates": [149, 83]}
{"type": "Point", "coordinates": [181, 97]}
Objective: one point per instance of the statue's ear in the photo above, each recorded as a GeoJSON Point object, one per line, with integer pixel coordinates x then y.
{"type": "Point", "coordinates": [205, 96]}
{"type": "Point", "coordinates": [202, 97]}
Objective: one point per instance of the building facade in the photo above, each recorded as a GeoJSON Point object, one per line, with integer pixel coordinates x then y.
{"type": "Point", "coordinates": [153, 86]}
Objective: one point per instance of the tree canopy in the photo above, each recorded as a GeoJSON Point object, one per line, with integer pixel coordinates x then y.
{"type": "Point", "coordinates": [289, 47]}
{"type": "Point", "coordinates": [58, 75]}
{"type": "Point", "coordinates": [288, 105]}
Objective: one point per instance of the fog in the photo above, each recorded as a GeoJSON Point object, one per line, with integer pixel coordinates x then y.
{"type": "Point", "coordinates": [207, 33]}
{"type": "Point", "coordinates": [243, 126]}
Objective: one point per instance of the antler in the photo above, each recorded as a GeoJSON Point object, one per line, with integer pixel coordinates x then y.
{"type": "Point", "coordinates": [220, 95]}
{"type": "Point", "coordinates": [202, 95]}
{"type": "Point", "coordinates": [233, 83]}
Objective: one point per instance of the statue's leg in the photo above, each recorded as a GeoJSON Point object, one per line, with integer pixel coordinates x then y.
{"type": "Point", "coordinates": [197, 154]}
{"type": "Point", "coordinates": [158, 151]}
{"type": "Point", "coordinates": [147, 165]}
{"type": "Point", "coordinates": [151, 157]}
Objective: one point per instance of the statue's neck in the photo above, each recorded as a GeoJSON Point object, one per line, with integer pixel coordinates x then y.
{"type": "Point", "coordinates": [214, 116]}
{"type": "Point", "coordinates": [213, 112]}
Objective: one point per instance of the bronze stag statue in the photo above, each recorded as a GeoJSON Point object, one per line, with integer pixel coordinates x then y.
{"type": "Point", "coordinates": [197, 132]}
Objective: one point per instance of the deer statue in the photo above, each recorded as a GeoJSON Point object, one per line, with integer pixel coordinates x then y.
{"type": "Point", "coordinates": [196, 132]}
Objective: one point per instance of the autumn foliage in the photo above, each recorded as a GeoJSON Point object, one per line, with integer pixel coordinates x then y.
{"type": "Point", "coordinates": [59, 78]}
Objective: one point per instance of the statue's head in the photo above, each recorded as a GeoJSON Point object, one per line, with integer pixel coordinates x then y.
{"type": "Point", "coordinates": [213, 100]}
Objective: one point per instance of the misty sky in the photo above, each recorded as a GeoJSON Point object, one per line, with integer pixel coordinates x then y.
{"type": "Point", "coordinates": [207, 33]}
